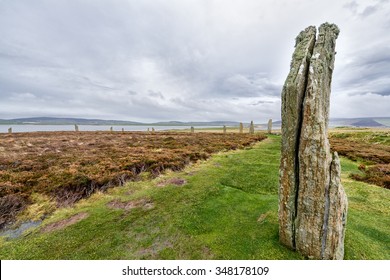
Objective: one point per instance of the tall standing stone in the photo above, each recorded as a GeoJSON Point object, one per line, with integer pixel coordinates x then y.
{"type": "Point", "coordinates": [269, 128]}
{"type": "Point", "coordinates": [76, 128]}
{"type": "Point", "coordinates": [224, 129]}
{"type": "Point", "coordinates": [241, 129]}
{"type": "Point", "coordinates": [192, 129]}
{"type": "Point", "coordinates": [312, 202]}
{"type": "Point", "coordinates": [10, 130]}
{"type": "Point", "coordinates": [111, 129]}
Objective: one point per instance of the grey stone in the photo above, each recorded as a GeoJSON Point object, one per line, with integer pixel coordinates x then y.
{"type": "Point", "coordinates": [241, 129]}
{"type": "Point", "coordinates": [10, 130]}
{"type": "Point", "coordinates": [312, 202]}
{"type": "Point", "coordinates": [224, 129]}
{"type": "Point", "coordinates": [269, 128]}
{"type": "Point", "coordinates": [251, 128]}
{"type": "Point", "coordinates": [192, 129]}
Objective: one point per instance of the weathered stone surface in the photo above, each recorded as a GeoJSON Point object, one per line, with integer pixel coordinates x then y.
{"type": "Point", "coordinates": [224, 129]}
{"type": "Point", "coordinates": [337, 207]}
{"type": "Point", "coordinates": [292, 98]}
{"type": "Point", "coordinates": [312, 202]}
{"type": "Point", "coordinates": [269, 128]}
{"type": "Point", "coordinates": [241, 129]}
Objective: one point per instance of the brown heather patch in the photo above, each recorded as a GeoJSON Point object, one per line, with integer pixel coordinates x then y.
{"type": "Point", "coordinates": [378, 174]}
{"type": "Point", "coordinates": [376, 156]}
{"type": "Point", "coordinates": [368, 152]}
{"type": "Point", "coordinates": [69, 166]}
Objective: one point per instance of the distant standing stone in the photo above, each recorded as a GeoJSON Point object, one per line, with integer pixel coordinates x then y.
{"type": "Point", "coordinates": [76, 128]}
{"type": "Point", "coordinates": [123, 130]}
{"type": "Point", "coordinates": [192, 129]}
{"type": "Point", "coordinates": [269, 126]}
{"type": "Point", "coordinates": [241, 130]}
{"type": "Point", "coordinates": [252, 128]}
{"type": "Point", "coordinates": [111, 129]}
{"type": "Point", "coordinates": [224, 129]}
{"type": "Point", "coordinates": [10, 130]}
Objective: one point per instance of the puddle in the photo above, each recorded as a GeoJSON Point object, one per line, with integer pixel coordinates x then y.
{"type": "Point", "coordinates": [14, 233]}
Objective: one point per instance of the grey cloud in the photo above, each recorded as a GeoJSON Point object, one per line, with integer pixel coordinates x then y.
{"type": "Point", "coordinates": [352, 6]}
{"type": "Point", "coordinates": [369, 11]}
{"type": "Point", "coordinates": [155, 94]}
{"type": "Point", "coordinates": [368, 72]}
{"type": "Point", "coordinates": [156, 60]}
{"type": "Point", "coordinates": [261, 102]}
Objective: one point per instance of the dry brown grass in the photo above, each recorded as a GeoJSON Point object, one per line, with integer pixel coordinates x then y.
{"type": "Point", "coordinates": [69, 166]}
{"type": "Point", "coordinates": [370, 147]}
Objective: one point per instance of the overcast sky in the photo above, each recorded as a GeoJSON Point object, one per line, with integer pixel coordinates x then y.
{"type": "Point", "coordinates": [199, 60]}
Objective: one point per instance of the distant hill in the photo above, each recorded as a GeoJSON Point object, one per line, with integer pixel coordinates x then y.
{"type": "Point", "coordinates": [367, 123]}
{"type": "Point", "coordinates": [66, 121]}
{"type": "Point", "coordinates": [353, 122]}
{"type": "Point", "coordinates": [360, 122]}
{"type": "Point", "coordinates": [80, 121]}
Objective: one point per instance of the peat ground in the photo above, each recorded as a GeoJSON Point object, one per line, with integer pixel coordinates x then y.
{"type": "Point", "coordinates": [65, 167]}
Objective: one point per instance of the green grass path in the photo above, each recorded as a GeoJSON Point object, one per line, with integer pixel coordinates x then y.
{"type": "Point", "coordinates": [226, 210]}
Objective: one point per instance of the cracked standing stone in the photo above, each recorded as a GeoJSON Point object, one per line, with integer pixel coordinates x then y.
{"type": "Point", "coordinates": [312, 202]}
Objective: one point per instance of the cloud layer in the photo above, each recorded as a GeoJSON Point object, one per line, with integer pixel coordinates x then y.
{"type": "Point", "coordinates": [182, 60]}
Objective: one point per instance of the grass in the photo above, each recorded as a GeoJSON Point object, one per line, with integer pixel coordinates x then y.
{"type": "Point", "coordinates": [227, 209]}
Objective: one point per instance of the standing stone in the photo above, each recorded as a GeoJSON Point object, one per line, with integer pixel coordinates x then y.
{"type": "Point", "coordinates": [148, 129]}
{"type": "Point", "coordinates": [76, 128]}
{"type": "Point", "coordinates": [312, 202]}
{"type": "Point", "coordinates": [123, 130]}
{"type": "Point", "coordinates": [251, 128]}
{"type": "Point", "coordinates": [241, 130]}
{"type": "Point", "coordinates": [269, 126]}
{"type": "Point", "coordinates": [111, 129]}
{"type": "Point", "coordinates": [192, 129]}
{"type": "Point", "coordinates": [10, 130]}
{"type": "Point", "coordinates": [153, 129]}
{"type": "Point", "coordinates": [292, 98]}
{"type": "Point", "coordinates": [224, 129]}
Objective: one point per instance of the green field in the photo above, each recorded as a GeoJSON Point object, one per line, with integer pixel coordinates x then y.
{"type": "Point", "coordinates": [222, 208]}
